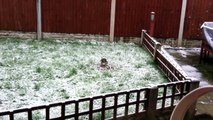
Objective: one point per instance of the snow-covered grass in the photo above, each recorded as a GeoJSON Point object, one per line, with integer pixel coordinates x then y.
{"type": "Point", "coordinates": [36, 72]}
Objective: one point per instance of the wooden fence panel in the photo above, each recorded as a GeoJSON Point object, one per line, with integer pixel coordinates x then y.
{"type": "Point", "coordinates": [76, 16]}
{"type": "Point", "coordinates": [93, 16]}
{"type": "Point", "coordinates": [18, 15]}
{"type": "Point", "coordinates": [198, 11]}
{"type": "Point", "coordinates": [134, 15]}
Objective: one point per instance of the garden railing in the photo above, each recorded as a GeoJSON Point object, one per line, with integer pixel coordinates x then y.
{"type": "Point", "coordinates": [146, 103]}
{"type": "Point", "coordinates": [172, 72]}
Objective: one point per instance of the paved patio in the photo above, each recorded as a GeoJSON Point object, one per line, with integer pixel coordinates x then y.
{"type": "Point", "coordinates": [188, 59]}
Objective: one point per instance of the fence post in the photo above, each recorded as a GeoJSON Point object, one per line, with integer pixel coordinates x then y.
{"type": "Point", "coordinates": [11, 115]}
{"type": "Point", "coordinates": [157, 46]}
{"type": "Point", "coordinates": [151, 103]}
{"type": "Point", "coordinates": [39, 21]}
{"type": "Point", "coordinates": [112, 20]}
{"type": "Point", "coordinates": [191, 111]}
{"type": "Point", "coordinates": [182, 21]}
{"type": "Point", "coordinates": [142, 36]}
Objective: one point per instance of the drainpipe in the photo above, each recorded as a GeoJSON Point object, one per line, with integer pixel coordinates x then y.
{"type": "Point", "coordinates": [182, 21]}
{"type": "Point", "coordinates": [152, 24]}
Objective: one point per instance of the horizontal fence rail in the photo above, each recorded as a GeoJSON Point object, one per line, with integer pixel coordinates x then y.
{"type": "Point", "coordinates": [165, 65]}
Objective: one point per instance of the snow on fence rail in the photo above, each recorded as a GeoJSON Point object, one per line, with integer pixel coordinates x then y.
{"type": "Point", "coordinates": [165, 65]}
{"type": "Point", "coordinates": [139, 103]}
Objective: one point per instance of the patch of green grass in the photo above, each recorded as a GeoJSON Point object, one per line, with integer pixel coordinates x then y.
{"type": "Point", "coordinates": [151, 62]}
{"type": "Point", "coordinates": [38, 69]}
{"type": "Point", "coordinates": [107, 73]}
{"type": "Point", "coordinates": [37, 86]}
{"type": "Point", "coordinates": [46, 72]}
{"type": "Point", "coordinates": [139, 65]}
{"type": "Point", "coordinates": [84, 93]}
{"type": "Point", "coordinates": [82, 66]}
{"type": "Point", "coordinates": [22, 91]}
{"type": "Point", "coordinates": [72, 72]}
{"type": "Point", "coordinates": [64, 94]}
{"type": "Point", "coordinates": [7, 85]}
{"type": "Point", "coordinates": [37, 116]}
{"type": "Point", "coordinates": [57, 70]}
{"type": "Point", "coordinates": [97, 116]}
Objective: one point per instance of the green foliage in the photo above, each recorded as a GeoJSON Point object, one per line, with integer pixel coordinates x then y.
{"type": "Point", "coordinates": [107, 87]}
{"type": "Point", "coordinates": [97, 116]}
{"type": "Point", "coordinates": [37, 86]}
{"type": "Point", "coordinates": [46, 72]}
{"type": "Point", "coordinates": [147, 77]}
{"type": "Point", "coordinates": [22, 91]}
{"type": "Point", "coordinates": [7, 85]}
{"type": "Point", "coordinates": [64, 94]}
{"type": "Point", "coordinates": [82, 66]}
{"type": "Point", "coordinates": [151, 62]}
{"type": "Point", "coordinates": [38, 69]}
{"type": "Point", "coordinates": [84, 93]}
{"type": "Point", "coordinates": [37, 116]}
{"type": "Point", "coordinates": [1, 64]}
{"type": "Point", "coordinates": [107, 73]}
{"type": "Point", "coordinates": [139, 65]}
{"type": "Point", "coordinates": [72, 72]}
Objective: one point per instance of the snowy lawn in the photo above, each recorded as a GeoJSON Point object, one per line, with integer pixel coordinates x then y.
{"type": "Point", "coordinates": [36, 72]}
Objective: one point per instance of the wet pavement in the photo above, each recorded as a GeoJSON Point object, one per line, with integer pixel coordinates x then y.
{"type": "Point", "coordinates": [188, 59]}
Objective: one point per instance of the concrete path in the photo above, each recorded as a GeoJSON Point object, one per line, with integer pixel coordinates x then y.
{"type": "Point", "coordinates": [188, 59]}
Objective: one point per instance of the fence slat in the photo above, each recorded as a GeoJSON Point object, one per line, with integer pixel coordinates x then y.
{"type": "Point", "coordinates": [29, 114]}
{"type": "Point", "coordinates": [103, 108]}
{"type": "Point", "coordinates": [63, 111]}
{"type": "Point", "coordinates": [90, 109]}
{"type": "Point", "coordinates": [151, 104]}
{"type": "Point", "coordinates": [76, 110]}
{"type": "Point", "coordinates": [127, 104]}
{"type": "Point", "coordinates": [115, 107]}
{"type": "Point", "coordinates": [47, 112]}
{"type": "Point", "coordinates": [11, 116]}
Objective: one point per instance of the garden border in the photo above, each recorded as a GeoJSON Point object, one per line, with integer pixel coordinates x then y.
{"type": "Point", "coordinates": [145, 101]}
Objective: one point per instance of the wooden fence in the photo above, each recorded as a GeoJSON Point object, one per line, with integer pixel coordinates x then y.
{"type": "Point", "coordinates": [93, 16]}
{"type": "Point", "coordinates": [140, 103]}
{"type": "Point", "coordinates": [165, 65]}
{"type": "Point", "coordinates": [147, 103]}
